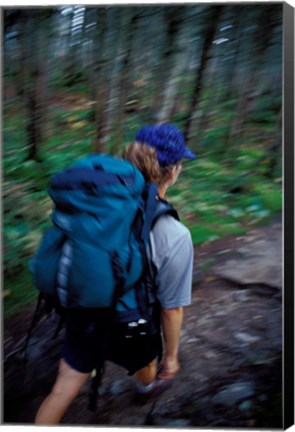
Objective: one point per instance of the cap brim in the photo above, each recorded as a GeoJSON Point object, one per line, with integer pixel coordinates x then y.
{"type": "Point", "coordinates": [188, 154]}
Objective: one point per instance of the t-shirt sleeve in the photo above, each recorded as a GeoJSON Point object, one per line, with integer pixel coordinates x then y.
{"type": "Point", "coordinates": [174, 272]}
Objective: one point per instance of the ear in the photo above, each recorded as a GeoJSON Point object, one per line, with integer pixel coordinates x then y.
{"type": "Point", "coordinates": [171, 173]}
{"type": "Point", "coordinates": [176, 170]}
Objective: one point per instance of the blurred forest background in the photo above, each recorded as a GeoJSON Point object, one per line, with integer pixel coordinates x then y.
{"type": "Point", "coordinates": [80, 79]}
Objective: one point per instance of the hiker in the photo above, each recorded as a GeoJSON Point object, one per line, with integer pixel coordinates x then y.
{"type": "Point", "coordinates": [157, 151]}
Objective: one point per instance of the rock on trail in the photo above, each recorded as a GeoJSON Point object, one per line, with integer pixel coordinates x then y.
{"type": "Point", "coordinates": [259, 261]}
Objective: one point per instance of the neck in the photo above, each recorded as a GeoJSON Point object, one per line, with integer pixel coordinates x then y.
{"type": "Point", "coordinates": [162, 191]}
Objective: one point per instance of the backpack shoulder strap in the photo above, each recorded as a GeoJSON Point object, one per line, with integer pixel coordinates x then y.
{"type": "Point", "coordinates": [150, 202]}
{"type": "Point", "coordinates": [163, 207]}
{"type": "Point", "coordinates": [146, 296]}
{"type": "Point", "coordinates": [154, 208]}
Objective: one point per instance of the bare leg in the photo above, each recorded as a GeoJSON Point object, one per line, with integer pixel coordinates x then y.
{"type": "Point", "coordinates": [147, 374]}
{"type": "Point", "coordinates": [64, 391]}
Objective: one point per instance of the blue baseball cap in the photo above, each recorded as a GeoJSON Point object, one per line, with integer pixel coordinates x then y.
{"type": "Point", "coordinates": [168, 142]}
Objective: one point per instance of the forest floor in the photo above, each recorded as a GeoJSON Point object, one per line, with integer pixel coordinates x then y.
{"type": "Point", "coordinates": [230, 352]}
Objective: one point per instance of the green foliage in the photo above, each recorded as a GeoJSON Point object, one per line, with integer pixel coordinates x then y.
{"type": "Point", "coordinates": [270, 196]}
{"type": "Point", "coordinates": [70, 80]}
{"type": "Point", "coordinates": [215, 135]}
{"type": "Point", "coordinates": [202, 234]}
{"type": "Point", "coordinates": [265, 110]}
{"type": "Point", "coordinates": [210, 209]}
{"type": "Point", "coordinates": [217, 132]}
{"type": "Point", "coordinates": [21, 291]}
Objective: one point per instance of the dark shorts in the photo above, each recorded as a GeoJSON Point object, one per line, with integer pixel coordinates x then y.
{"type": "Point", "coordinates": [90, 339]}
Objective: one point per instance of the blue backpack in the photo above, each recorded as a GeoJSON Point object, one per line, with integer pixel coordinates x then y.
{"type": "Point", "coordinates": [95, 254]}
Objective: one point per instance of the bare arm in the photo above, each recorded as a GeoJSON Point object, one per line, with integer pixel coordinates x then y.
{"type": "Point", "coordinates": [171, 324]}
{"type": "Point", "coordinates": [173, 258]}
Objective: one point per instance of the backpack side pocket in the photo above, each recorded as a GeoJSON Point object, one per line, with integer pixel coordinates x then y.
{"type": "Point", "coordinates": [44, 264]}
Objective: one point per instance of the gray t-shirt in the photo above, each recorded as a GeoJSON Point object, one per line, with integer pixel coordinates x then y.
{"type": "Point", "coordinates": [172, 254]}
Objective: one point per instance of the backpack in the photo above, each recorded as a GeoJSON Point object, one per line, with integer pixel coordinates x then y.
{"type": "Point", "coordinates": [95, 254]}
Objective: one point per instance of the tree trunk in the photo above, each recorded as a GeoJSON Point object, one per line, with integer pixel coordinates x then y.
{"type": "Point", "coordinates": [208, 39]}
{"type": "Point", "coordinates": [173, 19]}
{"type": "Point", "coordinates": [21, 69]}
{"type": "Point", "coordinates": [238, 24]}
{"type": "Point", "coordinates": [274, 152]}
{"type": "Point", "coordinates": [202, 122]}
{"type": "Point", "coordinates": [90, 32]}
{"type": "Point", "coordinates": [114, 110]}
{"type": "Point", "coordinates": [170, 94]}
{"type": "Point", "coordinates": [69, 69]}
{"type": "Point", "coordinates": [129, 23]}
{"type": "Point", "coordinates": [100, 85]}
{"type": "Point", "coordinates": [236, 128]}
{"type": "Point", "coordinates": [35, 81]}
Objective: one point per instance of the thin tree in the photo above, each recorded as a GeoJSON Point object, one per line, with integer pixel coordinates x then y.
{"type": "Point", "coordinates": [215, 12]}
{"type": "Point", "coordinates": [172, 20]}
{"type": "Point", "coordinates": [100, 81]}
{"type": "Point", "coordinates": [35, 43]}
{"type": "Point", "coordinates": [127, 35]}
{"type": "Point", "coordinates": [177, 67]}
{"type": "Point", "coordinates": [238, 20]}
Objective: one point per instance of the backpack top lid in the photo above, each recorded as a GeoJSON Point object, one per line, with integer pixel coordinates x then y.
{"type": "Point", "coordinates": [82, 186]}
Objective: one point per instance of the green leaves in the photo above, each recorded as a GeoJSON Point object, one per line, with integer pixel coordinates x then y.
{"type": "Point", "coordinates": [219, 197]}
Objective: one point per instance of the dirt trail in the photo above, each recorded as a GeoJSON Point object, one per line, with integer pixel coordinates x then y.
{"type": "Point", "coordinates": [230, 351]}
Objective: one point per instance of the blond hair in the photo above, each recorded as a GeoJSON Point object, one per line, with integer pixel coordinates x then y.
{"type": "Point", "coordinates": [144, 157]}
